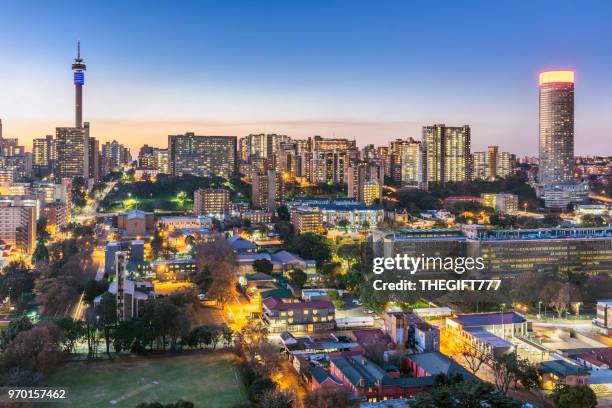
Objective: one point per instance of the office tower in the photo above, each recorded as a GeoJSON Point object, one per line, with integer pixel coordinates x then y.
{"type": "Point", "coordinates": [369, 152]}
{"type": "Point", "coordinates": [211, 201]}
{"type": "Point", "coordinates": [556, 127]}
{"type": "Point", "coordinates": [446, 154]}
{"type": "Point", "coordinates": [410, 162]}
{"type": "Point", "coordinates": [267, 190]}
{"type": "Point", "coordinates": [243, 149]}
{"type": "Point", "coordinates": [364, 181]}
{"type": "Point", "coordinates": [43, 152]}
{"type": "Point", "coordinates": [203, 156]}
{"type": "Point", "coordinates": [94, 159]}
{"type": "Point", "coordinates": [18, 225]}
{"type": "Point", "coordinates": [492, 164]}
{"type": "Point", "coordinates": [71, 150]}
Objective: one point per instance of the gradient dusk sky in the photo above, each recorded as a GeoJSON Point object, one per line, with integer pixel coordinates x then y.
{"type": "Point", "coordinates": [373, 71]}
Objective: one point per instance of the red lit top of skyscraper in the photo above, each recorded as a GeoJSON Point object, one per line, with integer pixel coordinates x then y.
{"type": "Point", "coordinates": [557, 77]}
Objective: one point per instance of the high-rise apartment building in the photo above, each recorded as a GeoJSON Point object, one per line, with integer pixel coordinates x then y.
{"type": "Point", "coordinates": [446, 154]}
{"type": "Point", "coordinates": [71, 151]}
{"type": "Point", "coordinates": [117, 154]}
{"type": "Point", "coordinates": [18, 226]}
{"type": "Point", "coordinates": [94, 159]}
{"type": "Point", "coordinates": [211, 201]}
{"type": "Point", "coordinates": [410, 162]}
{"type": "Point", "coordinates": [267, 190]}
{"type": "Point", "coordinates": [492, 164]}
{"type": "Point", "coordinates": [365, 182]}
{"type": "Point", "coordinates": [202, 155]}
{"type": "Point", "coordinates": [556, 127]}
{"type": "Point", "coordinates": [43, 152]}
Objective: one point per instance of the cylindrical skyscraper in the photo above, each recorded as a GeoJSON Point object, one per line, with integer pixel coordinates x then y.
{"type": "Point", "coordinates": [556, 127]}
{"type": "Point", "coordinates": [78, 68]}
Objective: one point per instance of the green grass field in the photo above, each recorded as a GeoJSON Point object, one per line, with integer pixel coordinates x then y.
{"type": "Point", "coordinates": [208, 380]}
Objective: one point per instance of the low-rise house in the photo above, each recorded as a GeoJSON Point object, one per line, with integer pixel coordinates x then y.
{"type": "Point", "coordinates": [597, 359]}
{"type": "Point", "coordinates": [241, 245]}
{"type": "Point", "coordinates": [434, 363]}
{"type": "Point", "coordinates": [555, 372]}
{"type": "Point", "coordinates": [372, 383]}
{"type": "Point", "coordinates": [313, 316]}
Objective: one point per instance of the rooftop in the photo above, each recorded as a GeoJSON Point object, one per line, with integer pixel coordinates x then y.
{"type": "Point", "coordinates": [562, 368]}
{"type": "Point", "coordinates": [274, 304]}
{"type": "Point", "coordinates": [488, 319]}
{"type": "Point", "coordinates": [437, 363]}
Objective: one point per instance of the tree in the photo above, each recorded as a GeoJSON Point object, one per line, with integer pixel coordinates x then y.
{"type": "Point", "coordinates": [178, 404]}
{"type": "Point", "coordinates": [557, 296]}
{"type": "Point", "coordinates": [283, 213]}
{"type": "Point", "coordinates": [456, 393]}
{"type": "Point", "coordinates": [17, 283]}
{"type": "Point", "coordinates": [250, 337]}
{"type": "Point", "coordinates": [56, 296]}
{"type": "Point", "coordinates": [72, 330]}
{"type": "Point", "coordinates": [344, 224]}
{"type": "Point", "coordinates": [349, 253]}
{"type": "Point", "coordinates": [330, 396]}
{"type": "Point", "coordinates": [278, 399]}
{"type": "Point", "coordinates": [574, 396]}
{"type": "Point", "coordinates": [106, 316]}
{"type": "Point", "coordinates": [216, 269]}
{"type": "Point", "coordinates": [263, 266]}
{"type": "Point", "coordinates": [505, 368]}
{"type": "Point", "coordinates": [459, 346]}
{"type": "Point", "coordinates": [298, 277]}
{"type": "Point", "coordinates": [41, 229]}
{"type": "Point", "coordinates": [259, 388]}
{"type": "Point", "coordinates": [13, 329]}
{"type": "Point", "coordinates": [311, 246]}
{"type": "Point", "coordinates": [589, 220]}
{"type": "Point", "coordinates": [93, 289]}
{"type": "Point", "coordinates": [335, 298]}
{"type": "Point", "coordinates": [41, 254]}
{"type": "Point", "coordinates": [31, 355]}
{"type": "Point", "coordinates": [228, 335]}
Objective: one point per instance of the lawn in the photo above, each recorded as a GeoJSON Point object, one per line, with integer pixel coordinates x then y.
{"type": "Point", "coordinates": [208, 380]}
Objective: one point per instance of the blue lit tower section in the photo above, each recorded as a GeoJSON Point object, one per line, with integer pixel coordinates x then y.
{"type": "Point", "coordinates": [78, 68]}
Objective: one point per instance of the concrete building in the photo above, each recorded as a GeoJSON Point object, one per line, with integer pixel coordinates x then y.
{"type": "Point", "coordinates": [56, 213]}
{"type": "Point", "coordinates": [504, 203]}
{"type": "Point", "coordinates": [603, 319]}
{"type": "Point", "coordinates": [308, 317]}
{"type": "Point", "coordinates": [211, 202]}
{"type": "Point", "coordinates": [306, 220]}
{"type": "Point", "coordinates": [556, 127]}
{"type": "Point", "coordinates": [72, 152]}
{"type": "Point", "coordinates": [492, 164]}
{"type": "Point", "coordinates": [18, 226]}
{"type": "Point", "coordinates": [136, 222]}
{"type": "Point", "coordinates": [268, 190]}
{"type": "Point", "coordinates": [365, 182]}
{"type": "Point", "coordinates": [446, 154]}
{"type": "Point", "coordinates": [203, 156]}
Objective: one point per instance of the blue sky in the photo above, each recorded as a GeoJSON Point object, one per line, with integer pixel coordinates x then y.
{"type": "Point", "coordinates": [374, 71]}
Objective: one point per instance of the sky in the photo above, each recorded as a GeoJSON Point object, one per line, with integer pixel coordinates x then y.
{"type": "Point", "coordinates": [369, 70]}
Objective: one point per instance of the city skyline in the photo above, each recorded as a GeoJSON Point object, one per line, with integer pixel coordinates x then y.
{"type": "Point", "coordinates": [139, 90]}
